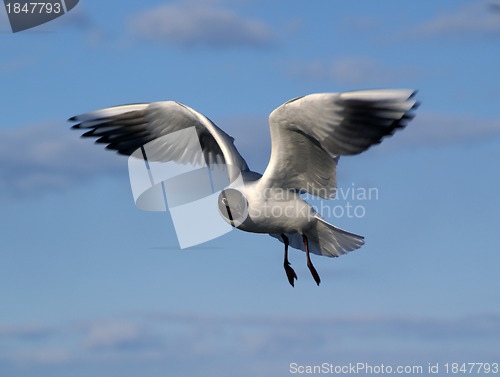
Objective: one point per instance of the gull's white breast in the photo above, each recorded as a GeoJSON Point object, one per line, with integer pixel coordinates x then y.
{"type": "Point", "coordinates": [275, 210]}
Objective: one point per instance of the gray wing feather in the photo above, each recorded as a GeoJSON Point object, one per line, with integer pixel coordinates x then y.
{"type": "Point", "coordinates": [127, 128]}
{"type": "Point", "coordinates": [310, 133]}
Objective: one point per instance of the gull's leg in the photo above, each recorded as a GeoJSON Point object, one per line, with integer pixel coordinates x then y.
{"type": "Point", "coordinates": [290, 273]}
{"type": "Point", "coordinates": [314, 273]}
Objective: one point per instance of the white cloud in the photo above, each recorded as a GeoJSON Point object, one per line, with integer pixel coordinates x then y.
{"type": "Point", "coordinates": [25, 332]}
{"type": "Point", "coordinates": [437, 129]}
{"type": "Point", "coordinates": [352, 71]}
{"type": "Point", "coordinates": [78, 18]}
{"type": "Point", "coordinates": [49, 157]}
{"type": "Point", "coordinates": [45, 356]}
{"type": "Point", "coordinates": [427, 129]}
{"type": "Point", "coordinates": [193, 336]}
{"type": "Point", "coordinates": [112, 335]}
{"type": "Point", "coordinates": [190, 24]}
{"type": "Point", "coordinates": [473, 18]}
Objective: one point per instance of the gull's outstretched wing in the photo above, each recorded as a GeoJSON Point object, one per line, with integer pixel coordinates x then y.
{"type": "Point", "coordinates": [129, 127]}
{"type": "Point", "coordinates": [309, 134]}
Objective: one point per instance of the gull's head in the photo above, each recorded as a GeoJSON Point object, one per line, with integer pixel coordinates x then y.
{"type": "Point", "coordinates": [233, 206]}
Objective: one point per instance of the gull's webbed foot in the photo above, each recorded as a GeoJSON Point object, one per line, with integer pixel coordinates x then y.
{"type": "Point", "coordinates": [314, 273]}
{"type": "Point", "coordinates": [290, 273]}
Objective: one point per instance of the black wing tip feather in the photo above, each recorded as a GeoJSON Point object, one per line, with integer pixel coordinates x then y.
{"type": "Point", "coordinates": [124, 137]}
{"type": "Point", "coordinates": [369, 125]}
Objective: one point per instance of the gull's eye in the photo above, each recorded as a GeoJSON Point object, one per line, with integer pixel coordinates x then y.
{"type": "Point", "coordinates": [232, 206]}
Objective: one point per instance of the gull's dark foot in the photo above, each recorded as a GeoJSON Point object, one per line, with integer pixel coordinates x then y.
{"type": "Point", "coordinates": [314, 273]}
{"type": "Point", "coordinates": [290, 273]}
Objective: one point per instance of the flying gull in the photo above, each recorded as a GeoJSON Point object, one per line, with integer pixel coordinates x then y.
{"type": "Point", "coordinates": [308, 136]}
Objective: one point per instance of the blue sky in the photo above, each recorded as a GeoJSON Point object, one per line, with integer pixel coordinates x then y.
{"type": "Point", "coordinates": [90, 285]}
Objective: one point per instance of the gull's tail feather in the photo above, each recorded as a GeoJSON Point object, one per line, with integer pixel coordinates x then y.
{"type": "Point", "coordinates": [325, 239]}
{"type": "Point", "coordinates": [328, 240]}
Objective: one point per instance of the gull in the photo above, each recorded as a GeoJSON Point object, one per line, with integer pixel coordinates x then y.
{"type": "Point", "coordinates": [308, 136]}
